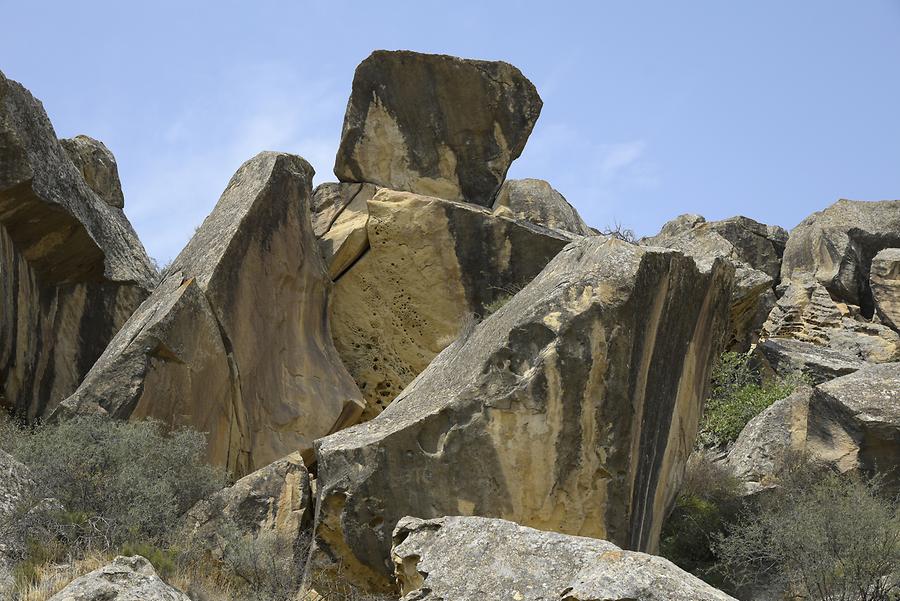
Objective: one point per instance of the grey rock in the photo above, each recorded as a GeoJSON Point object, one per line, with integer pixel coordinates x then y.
{"type": "Point", "coordinates": [473, 558]}
{"type": "Point", "coordinates": [435, 125]}
{"type": "Point", "coordinates": [71, 267]}
{"type": "Point", "coordinates": [536, 201]}
{"type": "Point", "coordinates": [98, 168]}
{"type": "Point", "coordinates": [125, 579]}
{"type": "Point", "coordinates": [820, 364]}
{"type": "Point", "coordinates": [16, 485]}
{"type": "Point", "coordinates": [235, 340]}
{"type": "Point", "coordinates": [884, 280]}
{"type": "Point", "coordinates": [573, 408]}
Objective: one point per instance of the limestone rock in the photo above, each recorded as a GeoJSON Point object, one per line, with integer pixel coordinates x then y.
{"type": "Point", "coordinates": [473, 558]}
{"type": "Point", "coordinates": [98, 168]}
{"type": "Point", "coordinates": [430, 265]}
{"type": "Point", "coordinates": [836, 247]}
{"type": "Point", "coordinates": [71, 267]}
{"type": "Point", "coordinates": [536, 201]}
{"type": "Point", "coordinates": [884, 280]}
{"type": "Point", "coordinates": [340, 216]}
{"type": "Point", "coordinates": [235, 340]}
{"type": "Point", "coordinates": [807, 312]}
{"type": "Point", "coordinates": [435, 125]}
{"type": "Point", "coordinates": [125, 579]}
{"type": "Point", "coordinates": [272, 505]}
{"type": "Point", "coordinates": [572, 408]}
{"type": "Point", "coordinates": [820, 364]}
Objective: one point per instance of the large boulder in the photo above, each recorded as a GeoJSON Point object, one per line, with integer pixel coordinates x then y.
{"type": "Point", "coordinates": [785, 356]}
{"type": "Point", "coordinates": [125, 579]}
{"type": "Point", "coordinates": [884, 280]}
{"type": "Point", "coordinates": [72, 269]}
{"type": "Point", "coordinates": [340, 217]}
{"type": "Point", "coordinates": [836, 247]}
{"type": "Point", "coordinates": [536, 201]}
{"type": "Point", "coordinates": [473, 558]}
{"type": "Point", "coordinates": [98, 168]}
{"type": "Point", "coordinates": [235, 339]}
{"type": "Point", "coordinates": [435, 125]}
{"type": "Point", "coordinates": [572, 408]}
{"type": "Point", "coordinates": [430, 264]}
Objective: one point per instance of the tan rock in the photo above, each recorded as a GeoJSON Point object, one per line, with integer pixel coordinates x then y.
{"type": "Point", "coordinates": [536, 201]}
{"type": "Point", "coordinates": [235, 340]}
{"type": "Point", "coordinates": [572, 408]}
{"type": "Point", "coordinates": [431, 264]}
{"type": "Point", "coordinates": [340, 216]}
{"type": "Point", "coordinates": [884, 280]}
{"type": "Point", "coordinates": [98, 167]}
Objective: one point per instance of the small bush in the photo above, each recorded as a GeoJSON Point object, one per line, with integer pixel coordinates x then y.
{"type": "Point", "coordinates": [620, 232]}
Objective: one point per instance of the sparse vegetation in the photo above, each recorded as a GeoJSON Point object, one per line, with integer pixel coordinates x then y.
{"type": "Point", "coordinates": [619, 231]}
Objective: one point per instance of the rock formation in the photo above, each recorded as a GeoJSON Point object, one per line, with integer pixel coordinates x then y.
{"type": "Point", "coordinates": [71, 267]}
{"type": "Point", "coordinates": [572, 408]}
{"type": "Point", "coordinates": [340, 217]}
{"type": "Point", "coordinates": [884, 281]}
{"type": "Point", "coordinates": [785, 356]}
{"type": "Point", "coordinates": [98, 168]}
{"type": "Point", "coordinates": [430, 264]}
{"type": "Point", "coordinates": [235, 339]}
{"type": "Point", "coordinates": [536, 201]}
{"type": "Point", "coordinates": [435, 125]}
{"type": "Point", "coordinates": [16, 484]}
{"type": "Point", "coordinates": [473, 558]}
{"type": "Point", "coordinates": [125, 579]}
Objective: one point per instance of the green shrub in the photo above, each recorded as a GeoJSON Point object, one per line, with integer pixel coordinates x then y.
{"type": "Point", "coordinates": [819, 534]}
{"type": "Point", "coordinates": [164, 560]}
{"type": "Point", "coordinates": [737, 396]}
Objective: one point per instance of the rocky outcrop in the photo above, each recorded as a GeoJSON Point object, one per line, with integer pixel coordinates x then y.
{"type": "Point", "coordinates": [430, 265]}
{"type": "Point", "coordinates": [851, 422]}
{"type": "Point", "coordinates": [235, 340]}
{"type": "Point", "coordinates": [16, 485]}
{"type": "Point", "coordinates": [125, 579]}
{"type": "Point", "coordinates": [784, 356]}
{"type": "Point", "coordinates": [71, 267]}
{"type": "Point", "coordinates": [435, 125]}
{"type": "Point", "coordinates": [273, 506]}
{"type": "Point", "coordinates": [572, 408]}
{"type": "Point", "coordinates": [884, 280]}
{"type": "Point", "coordinates": [836, 247]}
{"type": "Point", "coordinates": [473, 558]}
{"type": "Point", "coordinates": [97, 166]}
{"type": "Point", "coordinates": [807, 312]}
{"type": "Point", "coordinates": [536, 201]}
{"type": "Point", "coordinates": [754, 250]}
{"type": "Point", "coordinates": [340, 217]}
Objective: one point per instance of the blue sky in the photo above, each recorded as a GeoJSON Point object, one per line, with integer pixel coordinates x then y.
{"type": "Point", "coordinates": [770, 109]}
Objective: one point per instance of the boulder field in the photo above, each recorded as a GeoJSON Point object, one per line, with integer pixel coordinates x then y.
{"type": "Point", "coordinates": [429, 380]}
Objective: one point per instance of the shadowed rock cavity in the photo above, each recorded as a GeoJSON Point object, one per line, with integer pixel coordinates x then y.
{"type": "Point", "coordinates": [235, 339]}
{"type": "Point", "coordinates": [572, 408]}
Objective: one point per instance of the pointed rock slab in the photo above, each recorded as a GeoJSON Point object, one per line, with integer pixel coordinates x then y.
{"type": "Point", "coordinates": [125, 579]}
{"type": "Point", "coordinates": [572, 408]}
{"type": "Point", "coordinates": [536, 201]}
{"type": "Point", "coordinates": [235, 340]}
{"type": "Point", "coordinates": [474, 558]}
{"type": "Point", "coordinates": [885, 284]}
{"type": "Point", "coordinates": [435, 125]}
{"type": "Point", "coordinates": [340, 216]}
{"type": "Point", "coordinates": [71, 267]}
{"type": "Point", "coordinates": [431, 264]}
{"type": "Point", "coordinates": [98, 168]}
{"type": "Point", "coordinates": [836, 247]}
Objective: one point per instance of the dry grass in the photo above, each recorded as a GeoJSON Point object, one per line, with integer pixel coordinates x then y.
{"type": "Point", "coordinates": [51, 578]}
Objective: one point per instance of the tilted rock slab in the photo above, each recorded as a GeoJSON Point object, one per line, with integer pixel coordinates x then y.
{"type": "Point", "coordinates": [536, 201]}
{"type": "Point", "coordinates": [430, 265]}
{"type": "Point", "coordinates": [125, 579]}
{"type": "Point", "coordinates": [97, 166]}
{"type": "Point", "coordinates": [572, 408]}
{"type": "Point", "coordinates": [784, 356]}
{"type": "Point", "coordinates": [235, 339]}
{"type": "Point", "coordinates": [435, 125]}
{"type": "Point", "coordinates": [474, 558]}
{"type": "Point", "coordinates": [340, 216]}
{"type": "Point", "coordinates": [884, 280]}
{"type": "Point", "coordinates": [836, 247]}
{"type": "Point", "coordinates": [72, 269]}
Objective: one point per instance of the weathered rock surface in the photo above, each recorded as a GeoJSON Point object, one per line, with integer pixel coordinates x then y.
{"type": "Point", "coordinates": [536, 201]}
{"type": "Point", "coordinates": [755, 256]}
{"type": "Point", "coordinates": [15, 485]}
{"type": "Point", "coordinates": [807, 312]}
{"type": "Point", "coordinates": [272, 505]}
{"type": "Point", "coordinates": [820, 364]}
{"type": "Point", "coordinates": [125, 579]}
{"type": "Point", "coordinates": [340, 216]}
{"type": "Point", "coordinates": [435, 125]}
{"type": "Point", "coordinates": [473, 558]}
{"type": "Point", "coordinates": [71, 267]}
{"type": "Point", "coordinates": [851, 422]}
{"type": "Point", "coordinates": [235, 339]}
{"type": "Point", "coordinates": [836, 247]}
{"type": "Point", "coordinates": [97, 166]}
{"type": "Point", "coordinates": [572, 408]}
{"type": "Point", "coordinates": [431, 263]}
{"type": "Point", "coordinates": [884, 280]}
